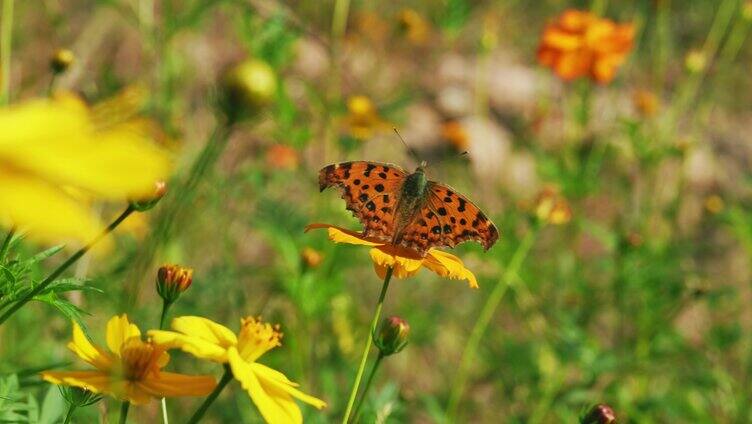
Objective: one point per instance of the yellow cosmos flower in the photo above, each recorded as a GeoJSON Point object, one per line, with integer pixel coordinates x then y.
{"type": "Point", "coordinates": [52, 148]}
{"type": "Point", "coordinates": [269, 389]}
{"type": "Point", "coordinates": [363, 120]}
{"type": "Point", "coordinates": [131, 370]}
{"type": "Point", "coordinates": [405, 263]}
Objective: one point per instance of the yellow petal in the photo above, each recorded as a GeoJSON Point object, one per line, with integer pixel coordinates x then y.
{"type": "Point", "coordinates": [276, 407]}
{"type": "Point", "coordinates": [205, 329]}
{"type": "Point", "coordinates": [168, 384]}
{"type": "Point", "coordinates": [447, 265]}
{"type": "Point", "coordinates": [119, 329]}
{"type": "Point", "coordinates": [196, 346]}
{"type": "Point", "coordinates": [270, 378]}
{"type": "Point", "coordinates": [94, 381]}
{"type": "Point", "coordinates": [60, 145]}
{"type": "Point", "coordinates": [45, 211]}
{"type": "Point", "coordinates": [81, 346]}
{"type": "Point", "coordinates": [403, 267]}
{"type": "Point", "coordinates": [342, 235]}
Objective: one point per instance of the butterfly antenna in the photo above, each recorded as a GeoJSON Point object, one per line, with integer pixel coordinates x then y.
{"type": "Point", "coordinates": [412, 152]}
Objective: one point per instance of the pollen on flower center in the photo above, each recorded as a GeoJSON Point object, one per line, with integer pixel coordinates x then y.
{"type": "Point", "coordinates": [138, 358]}
{"type": "Point", "coordinates": [257, 337]}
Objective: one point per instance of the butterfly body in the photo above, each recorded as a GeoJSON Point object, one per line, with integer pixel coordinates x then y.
{"type": "Point", "coordinates": [407, 210]}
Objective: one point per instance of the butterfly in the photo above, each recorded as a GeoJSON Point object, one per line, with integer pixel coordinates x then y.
{"type": "Point", "coordinates": [407, 210]}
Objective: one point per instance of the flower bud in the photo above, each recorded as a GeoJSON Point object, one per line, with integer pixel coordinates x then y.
{"type": "Point", "coordinates": [247, 88]}
{"type": "Point", "coordinates": [392, 336]}
{"type": "Point", "coordinates": [76, 397]}
{"type": "Point", "coordinates": [172, 280]}
{"type": "Point", "coordinates": [695, 61]}
{"type": "Point", "coordinates": [311, 257]}
{"type": "Point", "coordinates": [599, 414]}
{"type": "Point", "coordinates": [552, 208]}
{"type": "Point", "coordinates": [143, 205]}
{"type": "Point", "coordinates": [61, 60]}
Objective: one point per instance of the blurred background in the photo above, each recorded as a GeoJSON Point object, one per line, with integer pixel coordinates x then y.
{"type": "Point", "coordinates": [636, 296]}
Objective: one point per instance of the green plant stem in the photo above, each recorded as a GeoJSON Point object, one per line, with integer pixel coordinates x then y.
{"type": "Point", "coordinates": [6, 244]}
{"type": "Point", "coordinates": [175, 208]}
{"type": "Point", "coordinates": [367, 385]}
{"type": "Point", "coordinates": [124, 411]}
{"type": "Point", "coordinates": [481, 324]}
{"type": "Point", "coordinates": [64, 266]}
{"type": "Point", "coordinates": [165, 307]}
{"type": "Point", "coordinates": [69, 414]}
{"type": "Point", "coordinates": [367, 349]}
{"type": "Point", "coordinates": [226, 377]}
{"type": "Point", "coordinates": [6, 38]}
{"type": "Point", "coordinates": [339, 20]}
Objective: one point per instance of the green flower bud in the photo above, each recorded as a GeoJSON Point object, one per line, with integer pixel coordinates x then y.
{"type": "Point", "coordinates": [247, 88]}
{"type": "Point", "coordinates": [392, 336]}
{"type": "Point", "coordinates": [76, 397]}
{"type": "Point", "coordinates": [599, 414]}
{"type": "Point", "coordinates": [143, 205]}
{"type": "Point", "coordinates": [172, 280]}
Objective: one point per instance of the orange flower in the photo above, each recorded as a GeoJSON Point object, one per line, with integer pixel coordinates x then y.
{"type": "Point", "coordinates": [281, 156]}
{"type": "Point", "coordinates": [404, 262]}
{"type": "Point", "coordinates": [581, 44]}
{"type": "Point", "coordinates": [455, 133]}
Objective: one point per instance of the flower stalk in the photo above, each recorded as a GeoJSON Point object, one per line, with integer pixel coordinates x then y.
{"type": "Point", "coordinates": [484, 319]}
{"type": "Point", "coordinates": [64, 266]}
{"type": "Point", "coordinates": [226, 378]}
{"type": "Point", "coordinates": [124, 411]}
{"type": "Point", "coordinates": [367, 349]}
{"type": "Point", "coordinates": [367, 385]}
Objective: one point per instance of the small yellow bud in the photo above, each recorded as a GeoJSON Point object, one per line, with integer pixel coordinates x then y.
{"type": "Point", "coordinates": [248, 87]}
{"type": "Point", "coordinates": [714, 204]}
{"type": "Point", "coordinates": [552, 208]}
{"type": "Point", "coordinates": [747, 10]}
{"type": "Point", "coordinates": [311, 257]}
{"type": "Point", "coordinates": [695, 61]}
{"type": "Point", "coordinates": [143, 205]}
{"type": "Point", "coordinates": [172, 280]}
{"type": "Point", "coordinates": [599, 414]}
{"type": "Point", "coordinates": [392, 336]}
{"type": "Point", "coordinates": [61, 60]}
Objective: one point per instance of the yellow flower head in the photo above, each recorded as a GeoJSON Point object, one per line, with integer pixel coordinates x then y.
{"type": "Point", "coordinates": [52, 148]}
{"type": "Point", "coordinates": [581, 44]}
{"type": "Point", "coordinates": [362, 120]}
{"type": "Point", "coordinates": [131, 370]}
{"type": "Point", "coordinates": [405, 262]}
{"type": "Point", "coordinates": [552, 208]}
{"type": "Point", "coordinates": [269, 389]}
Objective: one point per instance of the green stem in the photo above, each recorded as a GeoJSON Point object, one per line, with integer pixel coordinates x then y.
{"type": "Point", "coordinates": [367, 349]}
{"type": "Point", "coordinates": [6, 244]}
{"type": "Point", "coordinates": [226, 377]}
{"type": "Point", "coordinates": [339, 20]}
{"type": "Point", "coordinates": [165, 307]}
{"type": "Point", "coordinates": [69, 415]}
{"type": "Point", "coordinates": [124, 411]}
{"type": "Point", "coordinates": [65, 265]}
{"type": "Point", "coordinates": [165, 420]}
{"type": "Point", "coordinates": [368, 385]}
{"type": "Point", "coordinates": [6, 37]}
{"type": "Point", "coordinates": [481, 324]}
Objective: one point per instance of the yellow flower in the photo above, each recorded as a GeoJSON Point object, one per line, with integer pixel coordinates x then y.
{"type": "Point", "coordinates": [52, 148]}
{"type": "Point", "coordinates": [581, 44]}
{"type": "Point", "coordinates": [269, 389]}
{"type": "Point", "coordinates": [405, 262]}
{"type": "Point", "coordinates": [552, 208]}
{"type": "Point", "coordinates": [362, 120]}
{"type": "Point", "coordinates": [131, 370]}
{"type": "Point", "coordinates": [414, 26]}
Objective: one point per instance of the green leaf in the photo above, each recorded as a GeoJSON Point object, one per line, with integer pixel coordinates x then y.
{"type": "Point", "coordinates": [53, 406]}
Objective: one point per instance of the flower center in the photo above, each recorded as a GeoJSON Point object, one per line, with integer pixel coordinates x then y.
{"type": "Point", "coordinates": [138, 358]}
{"type": "Point", "coordinates": [256, 338]}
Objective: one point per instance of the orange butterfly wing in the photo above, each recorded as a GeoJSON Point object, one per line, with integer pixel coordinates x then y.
{"type": "Point", "coordinates": [447, 218]}
{"type": "Point", "coordinates": [371, 191]}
